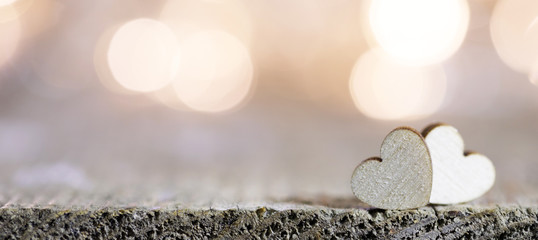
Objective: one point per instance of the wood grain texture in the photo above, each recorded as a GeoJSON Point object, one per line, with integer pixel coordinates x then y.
{"type": "Point", "coordinates": [456, 177]}
{"type": "Point", "coordinates": [401, 178]}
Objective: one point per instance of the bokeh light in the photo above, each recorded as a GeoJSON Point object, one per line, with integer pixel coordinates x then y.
{"type": "Point", "coordinates": [419, 32]}
{"type": "Point", "coordinates": [143, 55]}
{"type": "Point", "coordinates": [168, 97]}
{"type": "Point", "coordinates": [514, 31]}
{"type": "Point", "coordinates": [188, 16]}
{"type": "Point", "coordinates": [10, 34]}
{"type": "Point", "coordinates": [100, 62]}
{"type": "Point", "coordinates": [216, 73]}
{"type": "Point", "coordinates": [6, 2]}
{"type": "Point", "coordinates": [533, 74]}
{"type": "Point", "coordinates": [385, 89]}
{"type": "Point", "coordinates": [40, 17]}
{"type": "Point", "coordinates": [12, 9]}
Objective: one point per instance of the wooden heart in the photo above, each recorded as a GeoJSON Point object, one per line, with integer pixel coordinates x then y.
{"type": "Point", "coordinates": [401, 178]}
{"type": "Point", "coordinates": [457, 176]}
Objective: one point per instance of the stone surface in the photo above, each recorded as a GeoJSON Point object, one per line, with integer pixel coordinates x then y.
{"type": "Point", "coordinates": [272, 221]}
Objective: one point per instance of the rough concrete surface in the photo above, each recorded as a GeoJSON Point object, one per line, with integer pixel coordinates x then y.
{"type": "Point", "coordinates": [299, 222]}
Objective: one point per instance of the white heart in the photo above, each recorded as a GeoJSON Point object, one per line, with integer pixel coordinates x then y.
{"type": "Point", "coordinates": [457, 177]}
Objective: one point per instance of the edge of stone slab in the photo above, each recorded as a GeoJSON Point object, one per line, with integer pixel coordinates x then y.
{"type": "Point", "coordinates": [286, 221]}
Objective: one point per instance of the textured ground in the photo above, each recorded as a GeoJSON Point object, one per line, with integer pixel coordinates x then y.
{"type": "Point", "coordinates": [273, 221]}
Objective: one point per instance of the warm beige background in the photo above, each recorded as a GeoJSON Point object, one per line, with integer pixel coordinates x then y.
{"type": "Point", "coordinates": [298, 136]}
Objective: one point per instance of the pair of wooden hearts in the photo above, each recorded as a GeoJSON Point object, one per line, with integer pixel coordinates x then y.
{"type": "Point", "coordinates": [415, 169]}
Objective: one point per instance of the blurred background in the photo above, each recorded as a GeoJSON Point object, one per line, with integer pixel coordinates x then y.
{"type": "Point", "coordinates": [212, 100]}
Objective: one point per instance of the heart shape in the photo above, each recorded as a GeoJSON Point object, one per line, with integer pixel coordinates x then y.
{"type": "Point", "coordinates": [401, 178]}
{"type": "Point", "coordinates": [457, 176]}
